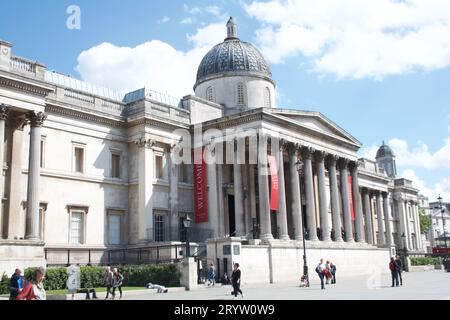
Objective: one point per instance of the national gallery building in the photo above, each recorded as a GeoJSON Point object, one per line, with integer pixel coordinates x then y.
{"type": "Point", "coordinates": [88, 171]}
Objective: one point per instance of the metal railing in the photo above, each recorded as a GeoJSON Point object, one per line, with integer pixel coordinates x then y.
{"type": "Point", "coordinates": [165, 235]}
{"type": "Point", "coordinates": [70, 256]}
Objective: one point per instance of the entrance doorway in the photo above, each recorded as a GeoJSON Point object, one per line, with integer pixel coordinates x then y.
{"type": "Point", "coordinates": [231, 216]}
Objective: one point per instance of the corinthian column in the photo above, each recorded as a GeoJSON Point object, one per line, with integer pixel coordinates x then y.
{"type": "Point", "coordinates": [3, 116]}
{"type": "Point", "coordinates": [282, 212]}
{"type": "Point", "coordinates": [323, 207]}
{"type": "Point", "coordinates": [381, 237]}
{"type": "Point", "coordinates": [263, 184]}
{"type": "Point", "coordinates": [368, 215]}
{"type": "Point", "coordinates": [334, 192]}
{"type": "Point", "coordinates": [238, 194]}
{"type": "Point", "coordinates": [32, 221]}
{"type": "Point", "coordinates": [296, 194]}
{"type": "Point", "coordinates": [343, 164]}
{"type": "Point", "coordinates": [310, 209]}
{"type": "Point", "coordinates": [387, 219]}
{"type": "Point", "coordinates": [357, 202]}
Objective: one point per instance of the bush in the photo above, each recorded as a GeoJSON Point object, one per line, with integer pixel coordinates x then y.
{"type": "Point", "coordinates": [4, 284]}
{"type": "Point", "coordinates": [426, 261]}
{"type": "Point", "coordinates": [92, 277]}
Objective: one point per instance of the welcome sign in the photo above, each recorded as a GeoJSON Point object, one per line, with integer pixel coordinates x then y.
{"type": "Point", "coordinates": [200, 189]}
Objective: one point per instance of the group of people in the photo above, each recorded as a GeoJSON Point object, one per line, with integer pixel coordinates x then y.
{"type": "Point", "coordinates": [112, 280]}
{"type": "Point", "coordinates": [326, 272]}
{"type": "Point", "coordinates": [21, 289]}
{"type": "Point", "coordinates": [396, 267]}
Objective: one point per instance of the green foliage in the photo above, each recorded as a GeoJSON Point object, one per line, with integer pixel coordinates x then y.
{"type": "Point", "coordinates": [92, 277]}
{"type": "Point", "coordinates": [425, 221]}
{"type": "Point", "coordinates": [4, 283]}
{"type": "Point", "coordinates": [426, 261]}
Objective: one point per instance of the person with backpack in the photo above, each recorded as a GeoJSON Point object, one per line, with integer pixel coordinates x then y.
{"type": "Point", "coordinates": [16, 284]}
{"type": "Point", "coordinates": [399, 262]}
{"type": "Point", "coordinates": [212, 275]}
{"type": "Point", "coordinates": [117, 283]}
{"type": "Point", "coordinates": [320, 270]}
{"type": "Point", "coordinates": [34, 290]}
{"type": "Point", "coordinates": [394, 267]}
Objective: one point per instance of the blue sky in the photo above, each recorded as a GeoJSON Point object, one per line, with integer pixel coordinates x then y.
{"type": "Point", "coordinates": [379, 69]}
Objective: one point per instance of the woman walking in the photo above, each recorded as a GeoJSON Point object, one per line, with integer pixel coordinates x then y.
{"type": "Point", "coordinates": [236, 281]}
{"type": "Point", "coordinates": [108, 280]}
{"type": "Point", "coordinates": [117, 283]}
{"type": "Point", "coordinates": [333, 272]}
{"type": "Point", "coordinates": [34, 290]}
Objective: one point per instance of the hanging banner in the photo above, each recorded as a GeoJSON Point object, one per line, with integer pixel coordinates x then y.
{"type": "Point", "coordinates": [350, 192]}
{"type": "Point", "coordinates": [274, 186]}
{"type": "Point", "coordinates": [200, 189]}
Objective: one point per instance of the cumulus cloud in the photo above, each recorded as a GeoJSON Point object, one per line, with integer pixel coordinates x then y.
{"type": "Point", "coordinates": [163, 20]}
{"type": "Point", "coordinates": [154, 64]}
{"type": "Point", "coordinates": [441, 188]}
{"type": "Point", "coordinates": [356, 38]}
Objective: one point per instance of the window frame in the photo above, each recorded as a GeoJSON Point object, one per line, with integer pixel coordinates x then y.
{"type": "Point", "coordinates": [116, 153]}
{"type": "Point", "coordinates": [240, 93]}
{"type": "Point", "coordinates": [122, 227]}
{"type": "Point", "coordinates": [82, 146]}
{"type": "Point", "coordinates": [84, 211]}
{"type": "Point", "coordinates": [267, 98]}
{"type": "Point", "coordinates": [160, 214]}
{"type": "Point", "coordinates": [210, 96]}
{"type": "Point", "coordinates": [42, 152]}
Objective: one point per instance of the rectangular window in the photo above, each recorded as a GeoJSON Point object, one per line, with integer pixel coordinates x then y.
{"type": "Point", "coordinates": [79, 159]}
{"type": "Point", "coordinates": [115, 166]}
{"type": "Point", "coordinates": [240, 94]}
{"type": "Point", "coordinates": [77, 227]}
{"type": "Point", "coordinates": [159, 167]}
{"type": "Point", "coordinates": [159, 228]}
{"type": "Point", "coordinates": [42, 223]}
{"type": "Point", "coordinates": [114, 229]}
{"type": "Point", "coordinates": [183, 173]}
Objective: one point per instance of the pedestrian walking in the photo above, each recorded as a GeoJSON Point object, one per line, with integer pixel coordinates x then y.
{"type": "Point", "coordinates": [236, 281]}
{"type": "Point", "coordinates": [333, 272]}
{"type": "Point", "coordinates": [16, 284]}
{"type": "Point", "coordinates": [394, 267]}
{"type": "Point", "coordinates": [117, 283]}
{"type": "Point", "coordinates": [327, 272]}
{"type": "Point", "coordinates": [400, 265]}
{"type": "Point", "coordinates": [212, 275]}
{"type": "Point", "coordinates": [34, 290]}
{"type": "Point", "coordinates": [320, 271]}
{"type": "Point", "coordinates": [108, 280]}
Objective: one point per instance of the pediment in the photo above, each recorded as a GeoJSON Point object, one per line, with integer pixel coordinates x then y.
{"type": "Point", "coordinates": [317, 122]}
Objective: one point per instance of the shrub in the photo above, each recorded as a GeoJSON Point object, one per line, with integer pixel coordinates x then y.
{"type": "Point", "coordinates": [4, 284]}
{"type": "Point", "coordinates": [426, 261]}
{"type": "Point", "coordinates": [92, 277]}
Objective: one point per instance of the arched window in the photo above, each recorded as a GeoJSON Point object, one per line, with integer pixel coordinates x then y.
{"type": "Point", "coordinates": [267, 98]}
{"type": "Point", "coordinates": [210, 94]}
{"type": "Point", "coordinates": [240, 94]}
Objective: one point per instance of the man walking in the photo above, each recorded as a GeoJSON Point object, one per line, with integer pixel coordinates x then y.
{"type": "Point", "coordinates": [400, 266]}
{"type": "Point", "coordinates": [108, 280]}
{"type": "Point", "coordinates": [320, 269]}
{"type": "Point", "coordinates": [16, 284]}
{"type": "Point", "coordinates": [212, 275]}
{"type": "Point", "coordinates": [394, 267]}
{"type": "Point", "coordinates": [236, 281]}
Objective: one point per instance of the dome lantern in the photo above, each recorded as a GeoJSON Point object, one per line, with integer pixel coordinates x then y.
{"type": "Point", "coordinates": [231, 29]}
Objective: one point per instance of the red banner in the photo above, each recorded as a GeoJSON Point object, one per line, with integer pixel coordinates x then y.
{"type": "Point", "coordinates": [274, 186]}
{"type": "Point", "coordinates": [350, 192]}
{"type": "Point", "coordinates": [200, 189]}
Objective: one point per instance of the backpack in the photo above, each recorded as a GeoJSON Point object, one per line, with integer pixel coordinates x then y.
{"type": "Point", "coordinates": [392, 266]}
{"type": "Point", "coordinates": [317, 270]}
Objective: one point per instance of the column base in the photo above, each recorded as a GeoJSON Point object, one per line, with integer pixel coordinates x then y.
{"type": "Point", "coordinates": [32, 238]}
{"type": "Point", "coordinates": [285, 238]}
{"type": "Point", "coordinates": [266, 237]}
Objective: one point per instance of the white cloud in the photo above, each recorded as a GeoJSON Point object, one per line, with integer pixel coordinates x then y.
{"type": "Point", "coordinates": [441, 188]}
{"type": "Point", "coordinates": [154, 64]}
{"type": "Point", "coordinates": [188, 20]}
{"type": "Point", "coordinates": [356, 38]}
{"type": "Point", "coordinates": [163, 20]}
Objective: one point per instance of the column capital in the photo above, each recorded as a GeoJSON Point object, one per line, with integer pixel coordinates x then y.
{"type": "Point", "coordinates": [145, 143]}
{"type": "Point", "coordinates": [36, 119]}
{"type": "Point", "coordinates": [284, 145]}
{"type": "Point", "coordinates": [343, 163]}
{"type": "Point", "coordinates": [294, 149]}
{"type": "Point", "coordinates": [320, 155]}
{"type": "Point", "coordinates": [331, 160]}
{"type": "Point", "coordinates": [385, 195]}
{"type": "Point", "coordinates": [3, 111]}
{"type": "Point", "coordinates": [307, 152]}
{"type": "Point", "coordinates": [354, 166]}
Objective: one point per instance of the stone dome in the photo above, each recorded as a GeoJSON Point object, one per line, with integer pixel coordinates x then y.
{"type": "Point", "coordinates": [233, 56]}
{"type": "Point", "coordinates": [385, 151]}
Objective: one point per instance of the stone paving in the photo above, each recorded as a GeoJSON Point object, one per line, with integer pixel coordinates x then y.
{"type": "Point", "coordinates": [433, 285]}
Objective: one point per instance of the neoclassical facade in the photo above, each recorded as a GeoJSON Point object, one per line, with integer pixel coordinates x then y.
{"type": "Point", "coordinates": [88, 168]}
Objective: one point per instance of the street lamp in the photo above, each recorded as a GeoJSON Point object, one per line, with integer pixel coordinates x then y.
{"type": "Point", "coordinates": [299, 166]}
{"type": "Point", "coordinates": [443, 223]}
{"type": "Point", "coordinates": [187, 225]}
{"type": "Point", "coordinates": [405, 251]}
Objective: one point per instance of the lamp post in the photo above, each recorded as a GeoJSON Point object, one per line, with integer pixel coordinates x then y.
{"type": "Point", "coordinates": [187, 225]}
{"type": "Point", "coordinates": [443, 223]}
{"type": "Point", "coordinates": [405, 252]}
{"type": "Point", "coordinates": [299, 165]}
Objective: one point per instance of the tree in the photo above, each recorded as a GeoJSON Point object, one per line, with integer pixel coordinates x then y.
{"type": "Point", "coordinates": [425, 221]}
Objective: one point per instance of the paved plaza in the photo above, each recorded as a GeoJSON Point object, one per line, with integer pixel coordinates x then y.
{"type": "Point", "coordinates": [433, 285]}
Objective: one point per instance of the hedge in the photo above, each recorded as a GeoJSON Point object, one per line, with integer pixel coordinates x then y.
{"type": "Point", "coordinates": [426, 261]}
{"type": "Point", "coordinates": [92, 277]}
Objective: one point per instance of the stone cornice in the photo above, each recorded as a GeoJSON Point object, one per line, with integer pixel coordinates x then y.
{"type": "Point", "coordinates": [24, 85]}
